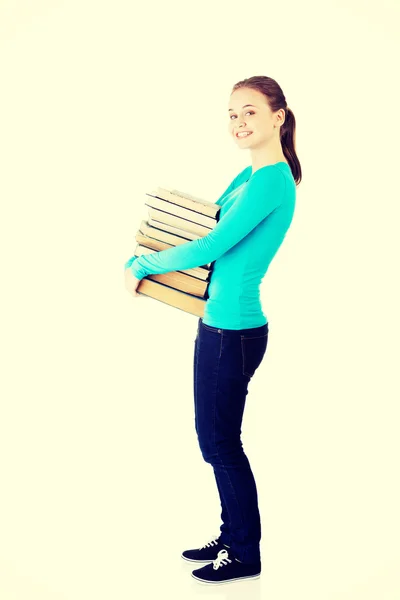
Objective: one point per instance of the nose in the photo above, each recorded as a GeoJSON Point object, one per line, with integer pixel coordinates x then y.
{"type": "Point", "coordinates": [239, 126]}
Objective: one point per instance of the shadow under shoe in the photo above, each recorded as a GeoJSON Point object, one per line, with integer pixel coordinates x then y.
{"type": "Point", "coordinates": [206, 553]}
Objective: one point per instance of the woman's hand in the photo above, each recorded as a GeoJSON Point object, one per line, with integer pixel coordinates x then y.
{"type": "Point", "coordinates": [131, 282]}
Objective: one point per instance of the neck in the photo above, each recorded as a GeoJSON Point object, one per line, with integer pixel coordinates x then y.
{"type": "Point", "coordinates": [267, 155]}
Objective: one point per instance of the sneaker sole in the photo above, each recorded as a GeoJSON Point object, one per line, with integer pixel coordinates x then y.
{"type": "Point", "coordinates": [196, 560]}
{"type": "Point", "coordinates": [204, 582]}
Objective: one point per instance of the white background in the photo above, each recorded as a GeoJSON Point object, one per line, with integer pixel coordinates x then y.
{"type": "Point", "coordinates": [102, 480]}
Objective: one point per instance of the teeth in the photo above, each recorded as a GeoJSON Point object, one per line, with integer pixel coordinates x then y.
{"type": "Point", "coordinates": [243, 134]}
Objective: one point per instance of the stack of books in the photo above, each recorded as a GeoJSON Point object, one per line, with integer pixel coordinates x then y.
{"type": "Point", "coordinates": [176, 218]}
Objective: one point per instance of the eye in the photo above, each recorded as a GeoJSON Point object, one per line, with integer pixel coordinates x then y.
{"type": "Point", "coordinates": [248, 112]}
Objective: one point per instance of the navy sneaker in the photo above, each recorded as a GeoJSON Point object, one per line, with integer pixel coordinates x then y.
{"type": "Point", "coordinates": [225, 569]}
{"type": "Point", "coordinates": [206, 553]}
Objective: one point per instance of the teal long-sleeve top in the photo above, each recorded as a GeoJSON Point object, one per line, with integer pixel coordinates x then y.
{"type": "Point", "coordinates": [256, 212]}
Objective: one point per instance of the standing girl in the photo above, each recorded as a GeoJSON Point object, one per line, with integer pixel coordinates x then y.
{"type": "Point", "coordinates": [256, 211]}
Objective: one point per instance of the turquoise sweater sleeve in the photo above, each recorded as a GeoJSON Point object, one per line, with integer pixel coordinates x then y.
{"type": "Point", "coordinates": [261, 195]}
{"type": "Point", "coordinates": [233, 184]}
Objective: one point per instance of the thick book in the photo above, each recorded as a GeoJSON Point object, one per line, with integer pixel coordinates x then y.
{"type": "Point", "coordinates": [157, 232]}
{"type": "Point", "coordinates": [181, 281]}
{"type": "Point", "coordinates": [179, 211]}
{"type": "Point", "coordinates": [203, 207]}
{"type": "Point", "coordinates": [183, 233]}
{"type": "Point", "coordinates": [173, 297]}
{"type": "Point", "coordinates": [170, 219]}
{"type": "Point", "coordinates": [155, 243]}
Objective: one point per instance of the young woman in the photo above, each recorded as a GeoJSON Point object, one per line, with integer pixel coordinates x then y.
{"type": "Point", "coordinates": [256, 211]}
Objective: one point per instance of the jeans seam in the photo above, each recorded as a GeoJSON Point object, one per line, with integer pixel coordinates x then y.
{"type": "Point", "coordinates": [195, 384]}
{"type": "Point", "coordinates": [242, 338]}
{"type": "Point", "coordinates": [216, 447]}
{"type": "Point", "coordinates": [215, 329]}
{"type": "Point", "coordinates": [243, 357]}
{"type": "Point", "coordinates": [255, 337]}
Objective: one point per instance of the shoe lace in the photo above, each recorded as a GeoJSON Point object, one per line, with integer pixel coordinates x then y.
{"type": "Point", "coordinates": [222, 559]}
{"type": "Point", "coordinates": [213, 542]}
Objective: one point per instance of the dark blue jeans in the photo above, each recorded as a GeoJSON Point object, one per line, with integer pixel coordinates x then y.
{"type": "Point", "coordinates": [224, 362]}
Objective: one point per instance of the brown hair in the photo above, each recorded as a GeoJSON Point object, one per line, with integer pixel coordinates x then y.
{"type": "Point", "coordinates": [276, 100]}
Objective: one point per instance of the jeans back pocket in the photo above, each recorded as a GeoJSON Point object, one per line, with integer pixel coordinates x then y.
{"type": "Point", "coordinates": [253, 350]}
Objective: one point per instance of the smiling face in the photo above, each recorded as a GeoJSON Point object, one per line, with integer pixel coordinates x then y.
{"type": "Point", "coordinates": [249, 111]}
